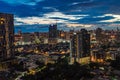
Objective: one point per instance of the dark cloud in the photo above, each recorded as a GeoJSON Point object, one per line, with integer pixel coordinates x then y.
{"type": "Point", "coordinates": [37, 8]}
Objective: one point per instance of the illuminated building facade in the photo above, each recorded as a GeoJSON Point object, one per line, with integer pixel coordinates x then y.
{"type": "Point", "coordinates": [6, 36]}
{"type": "Point", "coordinates": [80, 46]}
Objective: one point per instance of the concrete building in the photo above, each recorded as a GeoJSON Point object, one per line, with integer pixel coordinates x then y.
{"type": "Point", "coordinates": [6, 36]}
{"type": "Point", "coordinates": [53, 31]}
{"type": "Point", "coordinates": [80, 47]}
{"type": "Point", "coordinates": [53, 34]}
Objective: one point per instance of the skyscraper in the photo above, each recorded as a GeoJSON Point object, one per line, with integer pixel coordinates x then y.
{"type": "Point", "coordinates": [53, 31]}
{"type": "Point", "coordinates": [99, 35]}
{"type": "Point", "coordinates": [6, 36]}
{"type": "Point", "coordinates": [80, 46]}
{"type": "Point", "coordinates": [53, 34]}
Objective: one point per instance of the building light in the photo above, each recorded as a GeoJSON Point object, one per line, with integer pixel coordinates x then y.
{"type": "Point", "coordinates": [1, 37]}
{"type": "Point", "coordinates": [74, 33]}
{"type": "Point", "coordinates": [62, 35]}
{"type": "Point", "coordinates": [1, 22]}
{"type": "Point", "coordinates": [2, 19]}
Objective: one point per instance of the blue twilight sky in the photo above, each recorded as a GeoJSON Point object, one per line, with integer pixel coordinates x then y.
{"type": "Point", "coordinates": [36, 15]}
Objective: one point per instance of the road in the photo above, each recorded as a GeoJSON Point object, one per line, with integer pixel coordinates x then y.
{"type": "Point", "coordinates": [23, 73]}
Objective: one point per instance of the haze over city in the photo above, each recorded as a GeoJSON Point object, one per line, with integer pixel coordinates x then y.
{"type": "Point", "coordinates": [36, 15]}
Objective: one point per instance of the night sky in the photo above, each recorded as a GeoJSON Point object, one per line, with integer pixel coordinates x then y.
{"type": "Point", "coordinates": [36, 15]}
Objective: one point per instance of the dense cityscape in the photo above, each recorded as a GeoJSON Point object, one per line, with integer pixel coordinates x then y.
{"type": "Point", "coordinates": [59, 40]}
{"type": "Point", "coordinates": [58, 54]}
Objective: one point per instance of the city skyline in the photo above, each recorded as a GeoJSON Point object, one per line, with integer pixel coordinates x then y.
{"type": "Point", "coordinates": [36, 15]}
{"type": "Point", "coordinates": [59, 40]}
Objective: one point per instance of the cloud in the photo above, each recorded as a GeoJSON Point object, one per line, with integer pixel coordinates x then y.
{"type": "Point", "coordinates": [48, 18]}
{"type": "Point", "coordinates": [51, 8]}
{"type": "Point", "coordinates": [72, 13]}
{"type": "Point", "coordinates": [79, 25]}
{"type": "Point", "coordinates": [115, 18]}
{"type": "Point", "coordinates": [88, 1]}
{"type": "Point", "coordinates": [36, 20]}
{"type": "Point", "coordinates": [64, 16]}
{"type": "Point", "coordinates": [26, 2]}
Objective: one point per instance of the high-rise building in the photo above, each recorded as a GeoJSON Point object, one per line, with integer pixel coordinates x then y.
{"type": "Point", "coordinates": [62, 34]}
{"type": "Point", "coordinates": [53, 34]}
{"type": "Point", "coordinates": [99, 35]}
{"type": "Point", "coordinates": [80, 47]}
{"type": "Point", "coordinates": [6, 36]}
{"type": "Point", "coordinates": [53, 31]}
